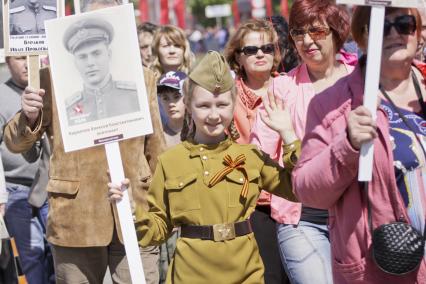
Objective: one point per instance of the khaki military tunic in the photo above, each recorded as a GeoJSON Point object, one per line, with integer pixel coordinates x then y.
{"type": "Point", "coordinates": [179, 194]}
{"type": "Point", "coordinates": [25, 19]}
{"type": "Point", "coordinates": [115, 98]}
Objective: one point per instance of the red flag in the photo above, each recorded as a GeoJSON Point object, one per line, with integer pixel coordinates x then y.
{"type": "Point", "coordinates": [268, 8]}
{"type": "Point", "coordinates": [284, 8]}
{"type": "Point", "coordinates": [236, 13]}
{"type": "Point", "coordinates": [179, 7]}
{"type": "Point", "coordinates": [68, 10]}
{"type": "Point", "coordinates": [143, 9]}
{"type": "Point", "coordinates": [164, 12]}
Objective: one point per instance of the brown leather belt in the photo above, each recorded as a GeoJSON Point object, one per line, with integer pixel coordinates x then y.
{"type": "Point", "coordinates": [218, 232]}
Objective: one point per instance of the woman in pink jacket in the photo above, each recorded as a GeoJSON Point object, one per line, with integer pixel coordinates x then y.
{"type": "Point", "coordinates": [337, 125]}
{"type": "Point", "coordinates": [318, 30]}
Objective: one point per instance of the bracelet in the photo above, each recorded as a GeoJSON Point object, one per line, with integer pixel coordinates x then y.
{"type": "Point", "coordinates": [287, 148]}
{"type": "Point", "coordinates": [291, 153]}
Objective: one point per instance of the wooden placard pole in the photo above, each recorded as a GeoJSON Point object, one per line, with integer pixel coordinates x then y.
{"type": "Point", "coordinates": [124, 210]}
{"type": "Point", "coordinates": [33, 65]}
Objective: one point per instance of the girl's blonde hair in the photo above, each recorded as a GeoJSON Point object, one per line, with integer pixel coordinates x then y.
{"type": "Point", "coordinates": [176, 36]}
{"type": "Point", "coordinates": [188, 129]}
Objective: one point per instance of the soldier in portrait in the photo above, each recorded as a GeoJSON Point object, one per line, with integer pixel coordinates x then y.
{"type": "Point", "coordinates": [28, 16]}
{"type": "Point", "coordinates": [89, 41]}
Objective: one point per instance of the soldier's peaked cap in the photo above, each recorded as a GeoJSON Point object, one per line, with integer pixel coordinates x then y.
{"type": "Point", "coordinates": [85, 30]}
{"type": "Point", "coordinates": [213, 73]}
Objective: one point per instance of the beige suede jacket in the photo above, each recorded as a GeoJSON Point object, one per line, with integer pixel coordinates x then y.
{"type": "Point", "coordinates": [80, 214]}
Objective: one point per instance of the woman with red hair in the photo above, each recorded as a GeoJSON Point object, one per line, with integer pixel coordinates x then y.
{"type": "Point", "coordinates": [318, 29]}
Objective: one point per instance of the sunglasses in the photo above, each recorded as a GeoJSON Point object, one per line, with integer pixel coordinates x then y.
{"type": "Point", "coordinates": [252, 50]}
{"type": "Point", "coordinates": [315, 32]}
{"type": "Point", "coordinates": [404, 25]}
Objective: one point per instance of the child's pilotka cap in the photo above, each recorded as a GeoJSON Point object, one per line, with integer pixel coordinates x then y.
{"type": "Point", "coordinates": [172, 79]}
{"type": "Point", "coordinates": [213, 73]}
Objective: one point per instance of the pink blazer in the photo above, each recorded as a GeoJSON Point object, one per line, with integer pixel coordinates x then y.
{"type": "Point", "coordinates": [326, 177]}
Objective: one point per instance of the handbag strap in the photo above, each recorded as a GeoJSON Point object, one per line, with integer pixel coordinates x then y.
{"type": "Point", "coordinates": [419, 94]}
{"type": "Point", "coordinates": [404, 119]}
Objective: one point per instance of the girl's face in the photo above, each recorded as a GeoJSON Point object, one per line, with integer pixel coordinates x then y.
{"type": "Point", "coordinates": [314, 43]}
{"type": "Point", "coordinates": [170, 54]}
{"type": "Point", "coordinates": [172, 103]}
{"type": "Point", "coordinates": [212, 114]}
{"type": "Point", "coordinates": [260, 62]}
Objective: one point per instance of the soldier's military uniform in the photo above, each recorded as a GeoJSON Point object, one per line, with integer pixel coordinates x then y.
{"type": "Point", "coordinates": [26, 18]}
{"type": "Point", "coordinates": [112, 99]}
{"type": "Point", "coordinates": [116, 98]}
{"type": "Point", "coordinates": [210, 196]}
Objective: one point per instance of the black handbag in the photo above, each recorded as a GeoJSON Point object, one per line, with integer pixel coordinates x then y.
{"type": "Point", "coordinates": [397, 247]}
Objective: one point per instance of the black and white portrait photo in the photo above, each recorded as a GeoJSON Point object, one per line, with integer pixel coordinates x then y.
{"type": "Point", "coordinates": [24, 25]}
{"type": "Point", "coordinates": [88, 40]}
{"type": "Point", "coordinates": [26, 17]}
{"type": "Point", "coordinates": [98, 77]}
{"type": "Point", "coordinates": [24, 22]}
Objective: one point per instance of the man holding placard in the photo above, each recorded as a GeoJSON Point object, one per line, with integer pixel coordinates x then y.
{"type": "Point", "coordinates": [25, 222]}
{"type": "Point", "coordinates": [83, 228]}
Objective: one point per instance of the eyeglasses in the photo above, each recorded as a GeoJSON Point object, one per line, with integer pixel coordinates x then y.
{"type": "Point", "coordinates": [315, 32]}
{"type": "Point", "coordinates": [252, 50]}
{"type": "Point", "coordinates": [404, 25]}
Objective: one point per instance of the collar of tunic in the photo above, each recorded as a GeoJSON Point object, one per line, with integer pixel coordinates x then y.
{"type": "Point", "coordinates": [196, 149]}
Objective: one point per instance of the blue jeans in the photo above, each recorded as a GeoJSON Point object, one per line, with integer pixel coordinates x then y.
{"type": "Point", "coordinates": [305, 252]}
{"type": "Point", "coordinates": [28, 229]}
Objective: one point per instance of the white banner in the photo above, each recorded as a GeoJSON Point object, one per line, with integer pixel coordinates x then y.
{"type": "Point", "coordinates": [393, 3]}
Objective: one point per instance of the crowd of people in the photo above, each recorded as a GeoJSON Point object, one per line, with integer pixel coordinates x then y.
{"type": "Point", "coordinates": [250, 175]}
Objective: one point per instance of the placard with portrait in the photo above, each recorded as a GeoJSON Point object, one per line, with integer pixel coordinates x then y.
{"type": "Point", "coordinates": [24, 31]}
{"type": "Point", "coordinates": [98, 77]}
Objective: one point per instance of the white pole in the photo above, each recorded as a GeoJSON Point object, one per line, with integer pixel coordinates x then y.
{"type": "Point", "coordinates": [125, 215]}
{"type": "Point", "coordinates": [375, 42]}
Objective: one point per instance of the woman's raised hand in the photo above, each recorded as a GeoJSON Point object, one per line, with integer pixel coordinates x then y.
{"type": "Point", "coordinates": [278, 118]}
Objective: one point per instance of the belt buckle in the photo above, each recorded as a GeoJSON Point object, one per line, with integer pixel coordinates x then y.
{"type": "Point", "coordinates": [223, 232]}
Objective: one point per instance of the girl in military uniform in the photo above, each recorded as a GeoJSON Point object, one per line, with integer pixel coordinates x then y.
{"type": "Point", "coordinates": [208, 185]}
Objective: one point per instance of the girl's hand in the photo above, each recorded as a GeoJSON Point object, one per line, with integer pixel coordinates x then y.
{"type": "Point", "coordinates": [361, 127]}
{"type": "Point", "coordinates": [115, 192]}
{"type": "Point", "coordinates": [278, 118]}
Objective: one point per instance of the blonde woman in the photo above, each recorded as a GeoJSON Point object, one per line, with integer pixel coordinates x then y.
{"type": "Point", "coordinates": [171, 51]}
